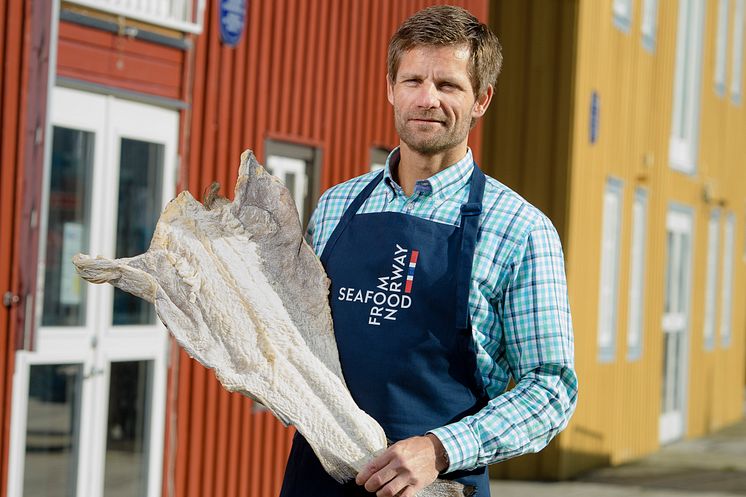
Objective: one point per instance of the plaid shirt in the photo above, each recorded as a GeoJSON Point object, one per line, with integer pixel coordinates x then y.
{"type": "Point", "coordinates": [518, 302]}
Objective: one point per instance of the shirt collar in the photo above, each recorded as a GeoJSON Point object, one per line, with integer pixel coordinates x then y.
{"type": "Point", "coordinates": [443, 184]}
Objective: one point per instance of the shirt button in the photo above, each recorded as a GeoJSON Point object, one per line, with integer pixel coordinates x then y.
{"type": "Point", "coordinates": [409, 207]}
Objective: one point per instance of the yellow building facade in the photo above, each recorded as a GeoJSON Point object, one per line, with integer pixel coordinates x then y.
{"type": "Point", "coordinates": [624, 121]}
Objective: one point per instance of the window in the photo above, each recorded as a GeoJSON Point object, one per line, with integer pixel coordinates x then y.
{"type": "Point", "coordinates": [685, 120]}
{"type": "Point", "coordinates": [726, 298]}
{"type": "Point", "coordinates": [675, 323]}
{"type": "Point", "coordinates": [299, 167]}
{"type": "Point", "coordinates": [721, 47]}
{"type": "Point", "coordinates": [637, 276]}
{"type": "Point", "coordinates": [182, 15]}
{"type": "Point", "coordinates": [607, 306]}
{"type": "Point", "coordinates": [68, 225]}
{"type": "Point", "coordinates": [649, 23]}
{"type": "Point", "coordinates": [378, 157]}
{"type": "Point", "coordinates": [713, 250]}
{"type": "Point", "coordinates": [737, 53]}
{"type": "Point", "coordinates": [623, 14]}
{"type": "Point", "coordinates": [90, 398]}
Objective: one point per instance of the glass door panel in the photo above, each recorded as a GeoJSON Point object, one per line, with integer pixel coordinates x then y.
{"type": "Point", "coordinates": [52, 430]}
{"type": "Point", "coordinates": [68, 226]}
{"type": "Point", "coordinates": [89, 402]}
{"type": "Point", "coordinates": [128, 429]}
{"type": "Point", "coordinates": [675, 324]}
{"type": "Point", "coordinates": [140, 201]}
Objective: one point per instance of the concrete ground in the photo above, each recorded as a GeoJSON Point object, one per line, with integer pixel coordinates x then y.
{"type": "Point", "coordinates": [712, 466]}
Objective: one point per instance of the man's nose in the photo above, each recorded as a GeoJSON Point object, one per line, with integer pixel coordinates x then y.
{"type": "Point", "coordinates": [427, 96]}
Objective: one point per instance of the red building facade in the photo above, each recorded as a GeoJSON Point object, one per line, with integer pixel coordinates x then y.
{"type": "Point", "coordinates": [138, 110]}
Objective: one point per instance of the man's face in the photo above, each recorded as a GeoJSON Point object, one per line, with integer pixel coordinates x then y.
{"type": "Point", "coordinates": [433, 100]}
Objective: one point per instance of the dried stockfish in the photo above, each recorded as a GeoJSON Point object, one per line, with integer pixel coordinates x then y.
{"type": "Point", "coordinates": [245, 295]}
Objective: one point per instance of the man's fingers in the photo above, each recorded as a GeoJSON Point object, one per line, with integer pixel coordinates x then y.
{"type": "Point", "coordinates": [401, 470]}
{"type": "Point", "coordinates": [381, 478]}
{"type": "Point", "coordinates": [393, 487]}
{"type": "Point", "coordinates": [372, 467]}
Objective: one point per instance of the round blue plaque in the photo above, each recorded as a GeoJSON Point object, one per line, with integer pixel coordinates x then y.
{"type": "Point", "coordinates": [232, 16]}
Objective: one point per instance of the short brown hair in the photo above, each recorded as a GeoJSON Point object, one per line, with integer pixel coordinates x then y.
{"type": "Point", "coordinates": [446, 25]}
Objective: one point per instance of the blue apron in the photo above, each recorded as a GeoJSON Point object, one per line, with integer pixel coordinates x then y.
{"type": "Point", "coordinates": [400, 303]}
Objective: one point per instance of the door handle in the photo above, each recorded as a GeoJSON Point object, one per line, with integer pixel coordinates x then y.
{"type": "Point", "coordinates": [10, 299]}
{"type": "Point", "coordinates": [93, 372]}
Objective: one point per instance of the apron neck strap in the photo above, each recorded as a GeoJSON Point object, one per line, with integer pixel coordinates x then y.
{"type": "Point", "coordinates": [348, 215]}
{"type": "Point", "coordinates": [469, 223]}
{"type": "Point", "coordinates": [470, 212]}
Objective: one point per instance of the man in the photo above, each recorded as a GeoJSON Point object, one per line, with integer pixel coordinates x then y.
{"type": "Point", "coordinates": [445, 284]}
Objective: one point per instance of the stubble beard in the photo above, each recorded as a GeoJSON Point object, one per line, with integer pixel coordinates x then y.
{"type": "Point", "coordinates": [428, 143]}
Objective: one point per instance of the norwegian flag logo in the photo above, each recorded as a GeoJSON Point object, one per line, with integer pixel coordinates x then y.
{"type": "Point", "coordinates": [410, 273]}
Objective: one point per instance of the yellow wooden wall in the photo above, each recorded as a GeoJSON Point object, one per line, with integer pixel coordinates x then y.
{"type": "Point", "coordinates": [526, 131]}
{"type": "Point", "coordinates": [526, 139]}
{"type": "Point", "coordinates": [537, 141]}
{"type": "Point", "coordinates": [617, 416]}
{"type": "Point", "coordinates": [717, 380]}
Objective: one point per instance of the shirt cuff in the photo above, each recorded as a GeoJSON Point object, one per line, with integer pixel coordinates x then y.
{"type": "Point", "coordinates": [460, 444]}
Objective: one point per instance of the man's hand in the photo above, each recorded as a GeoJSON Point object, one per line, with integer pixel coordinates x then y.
{"type": "Point", "coordinates": [407, 466]}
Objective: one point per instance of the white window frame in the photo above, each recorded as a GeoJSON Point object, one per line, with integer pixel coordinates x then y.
{"type": "Point", "coordinates": [684, 141]}
{"type": "Point", "coordinates": [622, 13]}
{"type": "Point", "coordinates": [726, 295]}
{"type": "Point", "coordinates": [676, 319]}
{"type": "Point", "coordinates": [181, 15]}
{"type": "Point", "coordinates": [281, 167]}
{"type": "Point", "coordinates": [721, 47]}
{"type": "Point", "coordinates": [636, 304]}
{"type": "Point", "coordinates": [736, 69]}
{"type": "Point", "coordinates": [284, 157]}
{"type": "Point", "coordinates": [608, 293]}
{"type": "Point", "coordinates": [711, 286]}
{"type": "Point", "coordinates": [378, 158]}
{"type": "Point", "coordinates": [649, 26]}
{"type": "Point", "coordinates": [111, 119]}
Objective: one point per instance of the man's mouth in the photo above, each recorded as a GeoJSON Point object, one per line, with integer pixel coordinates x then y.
{"type": "Point", "coordinates": [426, 120]}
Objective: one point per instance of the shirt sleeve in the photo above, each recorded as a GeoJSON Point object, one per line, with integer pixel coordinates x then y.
{"type": "Point", "coordinates": [536, 349]}
{"type": "Point", "coordinates": [311, 228]}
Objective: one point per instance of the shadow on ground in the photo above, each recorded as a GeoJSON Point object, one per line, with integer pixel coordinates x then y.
{"type": "Point", "coordinates": [689, 480]}
{"type": "Point", "coordinates": [716, 463]}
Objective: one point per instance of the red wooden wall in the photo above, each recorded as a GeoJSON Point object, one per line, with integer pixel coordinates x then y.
{"type": "Point", "coordinates": [12, 55]}
{"type": "Point", "coordinates": [310, 72]}
{"type": "Point", "coordinates": [97, 56]}
{"type": "Point", "coordinates": [24, 52]}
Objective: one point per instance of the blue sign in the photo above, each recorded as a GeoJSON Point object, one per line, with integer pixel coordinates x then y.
{"type": "Point", "coordinates": [232, 15]}
{"type": "Point", "coordinates": [595, 117]}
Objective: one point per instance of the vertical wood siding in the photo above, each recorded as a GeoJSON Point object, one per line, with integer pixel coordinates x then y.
{"type": "Point", "coordinates": [24, 52]}
{"type": "Point", "coordinates": [528, 132]}
{"type": "Point", "coordinates": [620, 401]}
{"type": "Point", "coordinates": [12, 55]}
{"type": "Point", "coordinates": [715, 390]}
{"type": "Point", "coordinates": [308, 72]}
{"type": "Point", "coordinates": [110, 59]}
{"type": "Point", "coordinates": [529, 127]}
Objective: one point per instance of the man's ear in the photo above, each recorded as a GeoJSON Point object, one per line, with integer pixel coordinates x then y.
{"type": "Point", "coordinates": [483, 101]}
{"type": "Point", "coordinates": [389, 89]}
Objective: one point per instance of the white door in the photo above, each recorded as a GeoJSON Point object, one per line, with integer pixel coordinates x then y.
{"type": "Point", "coordinates": [88, 403]}
{"type": "Point", "coordinates": [676, 323]}
{"type": "Point", "coordinates": [292, 172]}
